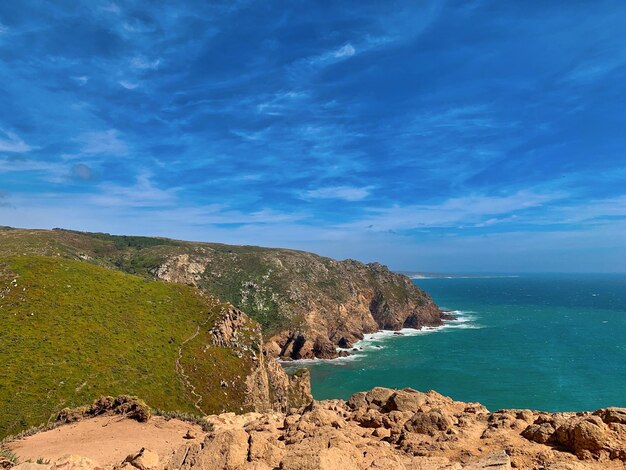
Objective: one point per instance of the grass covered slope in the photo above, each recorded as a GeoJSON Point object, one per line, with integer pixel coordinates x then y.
{"type": "Point", "coordinates": [72, 331]}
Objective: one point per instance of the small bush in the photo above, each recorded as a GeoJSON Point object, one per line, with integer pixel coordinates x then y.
{"type": "Point", "coordinates": [131, 407]}
{"type": "Point", "coordinates": [7, 458]}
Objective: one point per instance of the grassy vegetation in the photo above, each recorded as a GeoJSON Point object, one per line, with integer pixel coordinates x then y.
{"type": "Point", "coordinates": [72, 331]}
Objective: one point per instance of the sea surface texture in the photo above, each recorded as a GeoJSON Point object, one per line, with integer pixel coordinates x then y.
{"type": "Point", "coordinates": [547, 342]}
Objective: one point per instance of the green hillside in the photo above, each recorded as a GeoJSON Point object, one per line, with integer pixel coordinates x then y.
{"type": "Point", "coordinates": [72, 331]}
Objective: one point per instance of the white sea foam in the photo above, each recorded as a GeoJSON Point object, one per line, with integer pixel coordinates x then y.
{"type": "Point", "coordinates": [306, 362]}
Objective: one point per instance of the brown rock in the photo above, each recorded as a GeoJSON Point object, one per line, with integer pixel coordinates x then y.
{"type": "Point", "coordinates": [378, 396]}
{"type": "Point", "coordinates": [430, 422]}
{"type": "Point", "coordinates": [227, 450]}
{"type": "Point", "coordinates": [586, 434]}
{"type": "Point", "coordinates": [145, 459]}
{"type": "Point", "coordinates": [612, 415]}
{"type": "Point", "coordinates": [540, 433]}
{"type": "Point", "coordinates": [405, 400]}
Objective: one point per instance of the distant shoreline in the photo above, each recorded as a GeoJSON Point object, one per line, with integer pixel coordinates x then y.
{"type": "Point", "coordinates": [414, 275]}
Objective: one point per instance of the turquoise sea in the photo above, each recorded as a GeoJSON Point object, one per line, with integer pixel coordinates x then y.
{"type": "Point", "coordinates": [548, 342]}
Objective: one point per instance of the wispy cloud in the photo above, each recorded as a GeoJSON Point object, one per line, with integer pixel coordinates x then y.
{"type": "Point", "coordinates": [144, 193]}
{"type": "Point", "coordinates": [11, 143]}
{"type": "Point", "coordinates": [81, 80]}
{"type": "Point", "coordinates": [143, 63]}
{"type": "Point", "coordinates": [111, 8]}
{"type": "Point", "coordinates": [282, 102]}
{"type": "Point", "coordinates": [102, 143]}
{"type": "Point", "coordinates": [473, 210]}
{"type": "Point", "coordinates": [128, 84]}
{"type": "Point", "coordinates": [595, 69]}
{"type": "Point", "coordinates": [346, 51]}
{"type": "Point", "coordinates": [346, 193]}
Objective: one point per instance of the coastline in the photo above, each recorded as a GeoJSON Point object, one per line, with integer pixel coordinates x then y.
{"type": "Point", "coordinates": [461, 319]}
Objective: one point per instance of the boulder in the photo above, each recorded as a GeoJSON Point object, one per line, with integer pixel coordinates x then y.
{"type": "Point", "coordinates": [540, 433]}
{"type": "Point", "coordinates": [430, 422]}
{"type": "Point", "coordinates": [587, 434]}
{"type": "Point", "coordinates": [378, 396]}
{"type": "Point", "coordinates": [405, 400]}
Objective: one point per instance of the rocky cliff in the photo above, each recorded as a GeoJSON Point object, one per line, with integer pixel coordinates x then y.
{"type": "Point", "coordinates": [267, 385]}
{"type": "Point", "coordinates": [306, 304]}
{"type": "Point", "coordinates": [380, 429]}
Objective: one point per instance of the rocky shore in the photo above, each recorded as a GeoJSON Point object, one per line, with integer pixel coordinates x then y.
{"type": "Point", "coordinates": [379, 429]}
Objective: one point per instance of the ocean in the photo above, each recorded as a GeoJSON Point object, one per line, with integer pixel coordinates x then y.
{"type": "Point", "coordinates": [545, 342]}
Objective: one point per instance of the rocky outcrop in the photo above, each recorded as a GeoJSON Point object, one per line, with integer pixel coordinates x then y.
{"type": "Point", "coordinates": [400, 429]}
{"type": "Point", "coordinates": [306, 304]}
{"type": "Point", "coordinates": [598, 436]}
{"type": "Point", "coordinates": [394, 429]}
{"type": "Point", "coordinates": [309, 304]}
{"type": "Point", "coordinates": [183, 269]}
{"type": "Point", "coordinates": [268, 386]}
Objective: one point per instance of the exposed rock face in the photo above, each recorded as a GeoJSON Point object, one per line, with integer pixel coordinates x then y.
{"type": "Point", "coordinates": [310, 304]}
{"type": "Point", "coordinates": [268, 387]}
{"type": "Point", "coordinates": [183, 269]}
{"type": "Point", "coordinates": [392, 429]}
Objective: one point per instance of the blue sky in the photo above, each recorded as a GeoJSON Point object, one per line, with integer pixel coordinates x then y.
{"type": "Point", "coordinates": [435, 136]}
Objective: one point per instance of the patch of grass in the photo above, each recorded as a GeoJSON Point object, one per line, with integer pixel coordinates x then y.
{"type": "Point", "coordinates": [72, 331]}
{"type": "Point", "coordinates": [9, 455]}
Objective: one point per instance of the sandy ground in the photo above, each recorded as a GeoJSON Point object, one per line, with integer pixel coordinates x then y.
{"type": "Point", "coordinates": [107, 440]}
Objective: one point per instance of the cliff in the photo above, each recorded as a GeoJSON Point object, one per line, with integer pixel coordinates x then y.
{"type": "Point", "coordinates": [306, 304]}
{"type": "Point", "coordinates": [379, 429]}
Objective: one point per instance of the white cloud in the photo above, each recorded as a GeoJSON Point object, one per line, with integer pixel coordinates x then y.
{"type": "Point", "coordinates": [82, 80]}
{"type": "Point", "coordinates": [128, 85]}
{"type": "Point", "coordinates": [142, 194]}
{"type": "Point", "coordinates": [347, 193]}
{"type": "Point", "coordinates": [142, 63]}
{"type": "Point", "coordinates": [3, 29]}
{"type": "Point", "coordinates": [471, 210]}
{"type": "Point", "coordinates": [10, 142]}
{"type": "Point", "coordinates": [345, 51]}
{"type": "Point", "coordinates": [282, 102]}
{"type": "Point", "coordinates": [102, 142]}
{"type": "Point", "coordinates": [111, 8]}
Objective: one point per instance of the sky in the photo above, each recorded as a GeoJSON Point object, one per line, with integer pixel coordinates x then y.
{"type": "Point", "coordinates": [439, 136]}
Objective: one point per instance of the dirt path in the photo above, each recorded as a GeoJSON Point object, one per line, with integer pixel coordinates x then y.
{"type": "Point", "coordinates": [107, 440]}
{"type": "Point", "coordinates": [185, 378]}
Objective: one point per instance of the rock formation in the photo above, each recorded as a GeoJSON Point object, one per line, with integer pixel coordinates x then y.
{"type": "Point", "coordinates": [309, 304]}
{"type": "Point", "coordinates": [394, 429]}
{"type": "Point", "coordinates": [268, 387]}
